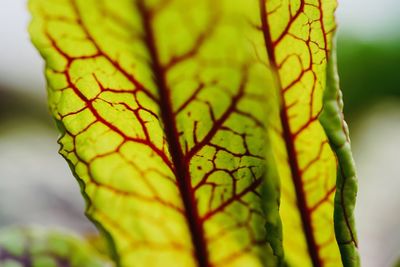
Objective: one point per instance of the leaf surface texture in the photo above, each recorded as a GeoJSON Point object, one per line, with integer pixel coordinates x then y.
{"type": "Point", "coordinates": [175, 114]}
{"type": "Point", "coordinates": [162, 112]}
{"type": "Point", "coordinates": [298, 39]}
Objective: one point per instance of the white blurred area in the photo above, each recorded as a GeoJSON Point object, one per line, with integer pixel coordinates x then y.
{"type": "Point", "coordinates": [36, 185]}
{"type": "Point", "coordinates": [376, 147]}
{"type": "Point", "coordinates": [369, 19]}
{"type": "Point", "coordinates": [20, 65]}
{"type": "Point", "coordinates": [31, 172]}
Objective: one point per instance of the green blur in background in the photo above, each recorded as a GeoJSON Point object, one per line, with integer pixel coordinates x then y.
{"type": "Point", "coordinates": [369, 72]}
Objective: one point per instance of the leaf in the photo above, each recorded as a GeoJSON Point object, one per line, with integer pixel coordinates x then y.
{"type": "Point", "coordinates": [23, 247]}
{"type": "Point", "coordinates": [338, 134]}
{"type": "Point", "coordinates": [161, 105]}
{"type": "Point", "coordinates": [165, 106]}
{"type": "Point", "coordinates": [298, 40]}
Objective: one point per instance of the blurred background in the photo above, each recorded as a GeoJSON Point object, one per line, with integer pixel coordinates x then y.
{"type": "Point", "coordinates": [31, 172]}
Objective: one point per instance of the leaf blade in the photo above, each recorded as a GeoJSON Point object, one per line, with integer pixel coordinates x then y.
{"type": "Point", "coordinates": [298, 50]}
{"type": "Point", "coordinates": [193, 157]}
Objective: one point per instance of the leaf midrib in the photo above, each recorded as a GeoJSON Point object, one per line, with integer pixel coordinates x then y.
{"type": "Point", "coordinates": [180, 162]}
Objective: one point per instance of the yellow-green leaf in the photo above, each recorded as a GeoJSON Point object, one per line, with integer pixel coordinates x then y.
{"type": "Point", "coordinates": [34, 247]}
{"type": "Point", "coordinates": [170, 110]}
{"type": "Point", "coordinates": [162, 108]}
{"type": "Point", "coordinates": [298, 40]}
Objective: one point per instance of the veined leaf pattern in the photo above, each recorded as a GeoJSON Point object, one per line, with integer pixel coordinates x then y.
{"type": "Point", "coordinates": [298, 40]}
{"type": "Point", "coordinates": [162, 108]}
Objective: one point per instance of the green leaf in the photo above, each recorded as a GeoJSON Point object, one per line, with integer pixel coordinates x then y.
{"type": "Point", "coordinates": [298, 39]}
{"type": "Point", "coordinates": [161, 105]}
{"type": "Point", "coordinates": [346, 184]}
{"type": "Point", "coordinates": [33, 247]}
{"type": "Point", "coordinates": [183, 120]}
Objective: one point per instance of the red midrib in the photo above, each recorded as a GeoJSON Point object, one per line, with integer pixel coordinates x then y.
{"type": "Point", "coordinates": [290, 146]}
{"type": "Point", "coordinates": [181, 165]}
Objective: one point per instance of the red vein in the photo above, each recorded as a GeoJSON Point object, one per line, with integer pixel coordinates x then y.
{"type": "Point", "coordinates": [345, 214]}
{"type": "Point", "coordinates": [89, 105]}
{"type": "Point", "coordinates": [289, 140]}
{"type": "Point", "coordinates": [236, 197]}
{"type": "Point", "coordinates": [291, 20]}
{"type": "Point", "coordinates": [180, 163]}
{"type": "Point", "coordinates": [324, 199]}
{"type": "Point", "coordinates": [218, 123]}
{"type": "Point", "coordinates": [191, 98]}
